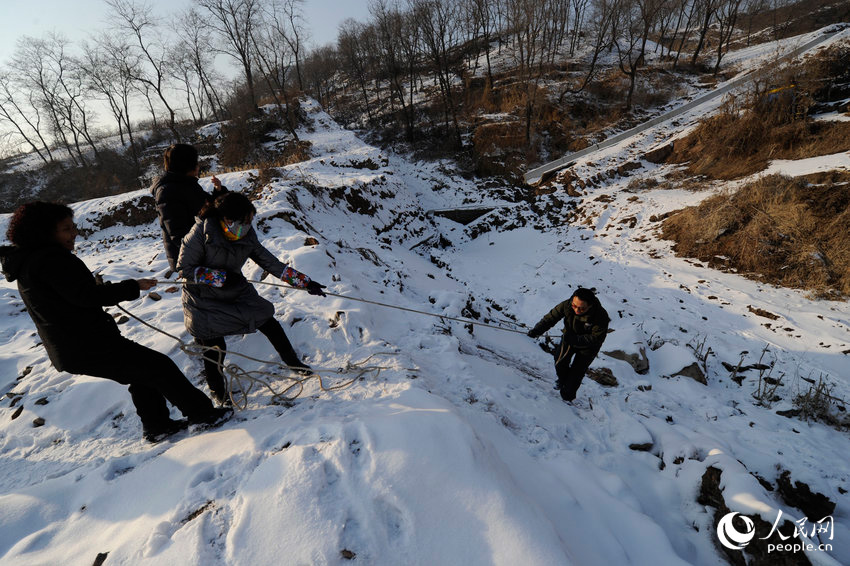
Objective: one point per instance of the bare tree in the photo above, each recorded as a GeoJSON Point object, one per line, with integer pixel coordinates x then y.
{"type": "Point", "coordinates": [136, 19]}
{"type": "Point", "coordinates": [45, 69]}
{"type": "Point", "coordinates": [601, 26]}
{"type": "Point", "coordinates": [727, 16]}
{"type": "Point", "coordinates": [296, 34]}
{"type": "Point", "coordinates": [26, 121]}
{"type": "Point", "coordinates": [636, 20]}
{"type": "Point", "coordinates": [196, 46]}
{"type": "Point", "coordinates": [530, 25]}
{"type": "Point", "coordinates": [352, 44]}
{"type": "Point", "coordinates": [235, 21]}
{"type": "Point", "coordinates": [107, 65]}
{"type": "Point", "coordinates": [437, 20]}
{"type": "Point", "coordinates": [388, 23]}
{"type": "Point", "coordinates": [707, 10]}
{"type": "Point", "coordinates": [274, 61]}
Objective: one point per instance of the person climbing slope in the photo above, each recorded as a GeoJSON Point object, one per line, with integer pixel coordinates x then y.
{"type": "Point", "coordinates": [585, 328]}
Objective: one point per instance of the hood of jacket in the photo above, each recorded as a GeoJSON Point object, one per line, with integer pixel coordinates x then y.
{"type": "Point", "coordinates": [12, 259]}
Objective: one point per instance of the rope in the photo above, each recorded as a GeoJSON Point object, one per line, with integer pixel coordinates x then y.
{"type": "Point", "coordinates": [237, 377]}
{"type": "Point", "coordinates": [406, 309]}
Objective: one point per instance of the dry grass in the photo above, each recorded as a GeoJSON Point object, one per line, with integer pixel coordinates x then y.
{"type": "Point", "coordinates": [767, 124]}
{"type": "Point", "coordinates": [780, 230]}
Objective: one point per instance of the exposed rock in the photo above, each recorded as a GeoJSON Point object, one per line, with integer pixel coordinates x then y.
{"type": "Point", "coordinates": [645, 447]}
{"type": "Point", "coordinates": [603, 376]}
{"type": "Point", "coordinates": [640, 363]}
{"type": "Point", "coordinates": [311, 241]}
{"type": "Point", "coordinates": [37, 422]}
{"type": "Point", "coordinates": [100, 559]}
{"type": "Point", "coordinates": [155, 296]}
{"type": "Point", "coordinates": [816, 506]}
{"type": "Point", "coordinates": [762, 312]}
{"type": "Point", "coordinates": [694, 372]}
{"type": "Point", "coordinates": [42, 401]}
{"type": "Point", "coordinates": [710, 494]}
{"type": "Point", "coordinates": [18, 412]}
{"type": "Point", "coordinates": [659, 154]}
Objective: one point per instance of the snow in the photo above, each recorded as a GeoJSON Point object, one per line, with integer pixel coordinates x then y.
{"type": "Point", "coordinates": [799, 167]}
{"type": "Point", "coordinates": [458, 451]}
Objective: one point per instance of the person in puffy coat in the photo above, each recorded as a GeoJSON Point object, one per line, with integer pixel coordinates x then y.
{"type": "Point", "coordinates": [585, 328]}
{"type": "Point", "coordinates": [65, 302]}
{"type": "Point", "coordinates": [219, 301]}
{"type": "Point", "coordinates": [179, 197]}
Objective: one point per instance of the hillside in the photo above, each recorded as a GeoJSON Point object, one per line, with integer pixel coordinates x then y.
{"type": "Point", "coordinates": [457, 451]}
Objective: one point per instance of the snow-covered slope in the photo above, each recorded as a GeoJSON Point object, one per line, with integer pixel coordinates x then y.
{"type": "Point", "coordinates": [457, 451]}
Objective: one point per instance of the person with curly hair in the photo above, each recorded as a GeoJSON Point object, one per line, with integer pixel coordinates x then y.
{"type": "Point", "coordinates": [66, 304]}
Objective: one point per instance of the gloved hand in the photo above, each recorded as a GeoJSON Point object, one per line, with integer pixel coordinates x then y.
{"type": "Point", "coordinates": [534, 333]}
{"type": "Point", "coordinates": [315, 288]}
{"type": "Point", "coordinates": [211, 277]}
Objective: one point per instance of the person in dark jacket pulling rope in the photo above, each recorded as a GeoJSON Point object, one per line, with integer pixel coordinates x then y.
{"type": "Point", "coordinates": [65, 302]}
{"type": "Point", "coordinates": [219, 301]}
{"type": "Point", "coordinates": [585, 328]}
{"type": "Point", "coordinates": [179, 197]}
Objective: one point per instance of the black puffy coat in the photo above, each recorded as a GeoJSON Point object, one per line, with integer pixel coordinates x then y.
{"type": "Point", "coordinates": [65, 302]}
{"type": "Point", "coordinates": [178, 199]}
{"type": "Point", "coordinates": [583, 332]}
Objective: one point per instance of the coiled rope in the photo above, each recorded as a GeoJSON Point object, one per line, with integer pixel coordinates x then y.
{"type": "Point", "coordinates": [241, 382]}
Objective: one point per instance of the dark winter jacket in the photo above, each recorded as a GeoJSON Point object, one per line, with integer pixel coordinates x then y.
{"type": "Point", "coordinates": [178, 199]}
{"type": "Point", "coordinates": [235, 308]}
{"type": "Point", "coordinates": [583, 332]}
{"type": "Point", "coordinates": [65, 302]}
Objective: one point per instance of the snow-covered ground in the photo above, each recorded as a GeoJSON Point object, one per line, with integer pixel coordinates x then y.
{"type": "Point", "coordinates": [458, 451]}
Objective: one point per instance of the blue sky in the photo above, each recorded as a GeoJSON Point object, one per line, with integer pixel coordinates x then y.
{"type": "Point", "coordinates": [79, 18]}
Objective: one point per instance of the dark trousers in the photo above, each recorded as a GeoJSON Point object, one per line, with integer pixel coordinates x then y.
{"type": "Point", "coordinates": [214, 361]}
{"type": "Point", "coordinates": [153, 378]}
{"type": "Point", "coordinates": [570, 365]}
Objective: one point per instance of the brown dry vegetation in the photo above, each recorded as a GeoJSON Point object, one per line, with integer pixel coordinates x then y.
{"type": "Point", "coordinates": [770, 124]}
{"type": "Point", "coordinates": [781, 230]}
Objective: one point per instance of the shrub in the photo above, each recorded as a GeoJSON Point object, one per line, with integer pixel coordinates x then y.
{"type": "Point", "coordinates": [784, 230]}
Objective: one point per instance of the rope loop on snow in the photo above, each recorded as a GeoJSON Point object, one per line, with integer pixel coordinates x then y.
{"type": "Point", "coordinates": [242, 382]}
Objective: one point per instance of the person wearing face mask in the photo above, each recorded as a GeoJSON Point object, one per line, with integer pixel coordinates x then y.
{"type": "Point", "coordinates": [179, 197]}
{"type": "Point", "coordinates": [585, 328]}
{"type": "Point", "coordinates": [219, 301]}
{"type": "Point", "coordinates": [66, 304]}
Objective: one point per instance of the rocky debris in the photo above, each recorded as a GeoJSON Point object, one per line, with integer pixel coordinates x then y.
{"type": "Point", "coordinates": [639, 362]}
{"type": "Point", "coordinates": [815, 506]}
{"type": "Point", "coordinates": [644, 447]}
{"type": "Point", "coordinates": [311, 241]}
{"type": "Point", "coordinates": [603, 376]}
{"type": "Point", "coordinates": [694, 372]}
{"type": "Point", "coordinates": [37, 422]}
{"type": "Point", "coordinates": [18, 412]}
{"type": "Point", "coordinates": [347, 554]}
{"type": "Point", "coordinates": [757, 549]}
{"type": "Point", "coordinates": [153, 295]}
{"type": "Point", "coordinates": [762, 312]}
{"type": "Point", "coordinates": [100, 559]}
